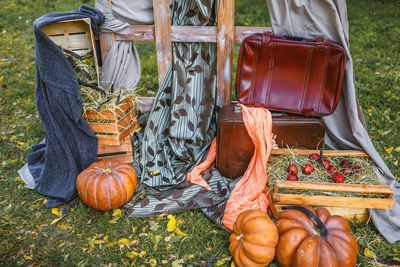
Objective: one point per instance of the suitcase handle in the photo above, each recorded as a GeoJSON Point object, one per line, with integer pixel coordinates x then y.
{"type": "Point", "coordinates": [293, 37]}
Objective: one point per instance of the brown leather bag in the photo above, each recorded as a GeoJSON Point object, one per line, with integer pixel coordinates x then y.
{"type": "Point", "coordinates": [234, 145]}
{"type": "Point", "coordinates": [290, 74]}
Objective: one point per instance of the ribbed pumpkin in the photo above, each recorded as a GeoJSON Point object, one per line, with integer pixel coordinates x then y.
{"type": "Point", "coordinates": [314, 238]}
{"type": "Point", "coordinates": [106, 185]}
{"type": "Point", "coordinates": [254, 238]}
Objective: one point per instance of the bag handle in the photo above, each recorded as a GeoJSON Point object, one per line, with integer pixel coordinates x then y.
{"type": "Point", "coordinates": [320, 225]}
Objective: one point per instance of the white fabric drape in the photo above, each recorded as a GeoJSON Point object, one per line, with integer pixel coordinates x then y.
{"type": "Point", "coordinates": [121, 66]}
{"type": "Point", "coordinates": [346, 128]}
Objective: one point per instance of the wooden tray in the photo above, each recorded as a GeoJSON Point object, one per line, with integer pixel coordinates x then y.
{"type": "Point", "coordinates": [376, 196]}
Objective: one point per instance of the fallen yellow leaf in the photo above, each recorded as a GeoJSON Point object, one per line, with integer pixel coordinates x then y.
{"type": "Point", "coordinates": [132, 254]}
{"type": "Point", "coordinates": [55, 220]}
{"type": "Point", "coordinates": [133, 229]}
{"type": "Point", "coordinates": [220, 262]}
{"type": "Point", "coordinates": [171, 223]}
{"type": "Point", "coordinates": [55, 211]}
{"type": "Point", "coordinates": [233, 264]}
{"type": "Point", "coordinates": [28, 257]}
{"type": "Point", "coordinates": [179, 232]}
{"type": "Point", "coordinates": [116, 212]}
{"type": "Point", "coordinates": [369, 253]}
{"type": "Point", "coordinates": [389, 150]}
{"type": "Point", "coordinates": [153, 262]}
{"type": "Point", "coordinates": [123, 241]}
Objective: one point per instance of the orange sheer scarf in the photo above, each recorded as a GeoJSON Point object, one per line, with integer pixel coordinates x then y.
{"type": "Point", "coordinates": [249, 191]}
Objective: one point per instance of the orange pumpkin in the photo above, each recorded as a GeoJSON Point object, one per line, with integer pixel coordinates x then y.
{"type": "Point", "coordinates": [106, 185]}
{"type": "Point", "coordinates": [314, 238]}
{"type": "Point", "coordinates": [254, 238]}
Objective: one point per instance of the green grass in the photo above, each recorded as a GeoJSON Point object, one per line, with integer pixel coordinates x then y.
{"type": "Point", "coordinates": [87, 237]}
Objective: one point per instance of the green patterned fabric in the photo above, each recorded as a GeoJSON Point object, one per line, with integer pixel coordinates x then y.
{"type": "Point", "coordinates": [181, 126]}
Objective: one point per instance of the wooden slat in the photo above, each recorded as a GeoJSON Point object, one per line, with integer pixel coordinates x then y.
{"type": "Point", "coordinates": [350, 153]}
{"type": "Point", "coordinates": [162, 24]}
{"type": "Point", "coordinates": [66, 27]}
{"type": "Point", "coordinates": [123, 158]}
{"type": "Point", "coordinates": [125, 146]}
{"type": "Point", "coordinates": [206, 34]}
{"type": "Point", "coordinates": [116, 139]}
{"type": "Point", "coordinates": [110, 114]}
{"type": "Point", "coordinates": [106, 40]}
{"type": "Point", "coordinates": [225, 49]}
{"type": "Point", "coordinates": [104, 128]}
{"type": "Point", "coordinates": [359, 215]}
{"type": "Point", "coordinates": [321, 186]}
{"type": "Point", "coordinates": [356, 202]}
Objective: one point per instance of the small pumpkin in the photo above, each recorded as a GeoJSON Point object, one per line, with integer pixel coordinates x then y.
{"type": "Point", "coordinates": [106, 185]}
{"type": "Point", "coordinates": [314, 238]}
{"type": "Point", "coordinates": [254, 238]}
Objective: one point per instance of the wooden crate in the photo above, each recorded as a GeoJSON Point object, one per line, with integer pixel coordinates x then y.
{"type": "Point", "coordinates": [74, 35]}
{"type": "Point", "coordinates": [354, 208]}
{"type": "Point", "coordinates": [112, 125]}
{"type": "Point", "coordinates": [121, 153]}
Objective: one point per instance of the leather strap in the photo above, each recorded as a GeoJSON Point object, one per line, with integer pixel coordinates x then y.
{"type": "Point", "coordinates": [266, 38]}
{"type": "Point", "coordinates": [321, 226]}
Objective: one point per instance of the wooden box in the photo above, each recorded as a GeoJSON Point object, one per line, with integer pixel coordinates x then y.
{"type": "Point", "coordinates": [351, 207]}
{"type": "Point", "coordinates": [73, 35]}
{"type": "Point", "coordinates": [112, 125]}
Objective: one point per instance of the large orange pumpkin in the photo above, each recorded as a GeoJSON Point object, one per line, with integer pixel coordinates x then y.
{"type": "Point", "coordinates": [314, 238]}
{"type": "Point", "coordinates": [106, 185]}
{"type": "Point", "coordinates": [254, 238]}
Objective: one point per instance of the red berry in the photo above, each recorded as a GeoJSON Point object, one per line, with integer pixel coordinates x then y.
{"type": "Point", "coordinates": [332, 169]}
{"type": "Point", "coordinates": [292, 177]}
{"type": "Point", "coordinates": [292, 169]}
{"type": "Point", "coordinates": [345, 163]}
{"type": "Point", "coordinates": [338, 177]}
{"type": "Point", "coordinates": [314, 156]}
{"type": "Point", "coordinates": [356, 168]}
{"type": "Point", "coordinates": [307, 169]}
{"type": "Point", "coordinates": [326, 163]}
{"type": "Point", "coordinates": [346, 170]}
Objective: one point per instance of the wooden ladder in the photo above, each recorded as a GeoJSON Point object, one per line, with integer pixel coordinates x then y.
{"type": "Point", "coordinates": [224, 34]}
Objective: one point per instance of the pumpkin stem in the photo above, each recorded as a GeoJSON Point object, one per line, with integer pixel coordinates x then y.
{"type": "Point", "coordinates": [240, 237]}
{"type": "Point", "coordinates": [107, 170]}
{"type": "Point", "coordinates": [320, 225]}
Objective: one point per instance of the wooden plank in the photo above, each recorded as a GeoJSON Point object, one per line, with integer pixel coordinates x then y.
{"type": "Point", "coordinates": [358, 215]}
{"type": "Point", "coordinates": [106, 40]}
{"type": "Point", "coordinates": [111, 114]}
{"type": "Point", "coordinates": [123, 158]}
{"type": "Point", "coordinates": [113, 140]}
{"type": "Point", "coordinates": [104, 128]}
{"type": "Point", "coordinates": [207, 34]}
{"type": "Point", "coordinates": [356, 202]}
{"type": "Point", "coordinates": [125, 146]}
{"type": "Point", "coordinates": [67, 26]}
{"type": "Point", "coordinates": [350, 153]}
{"type": "Point", "coordinates": [322, 186]}
{"type": "Point", "coordinates": [162, 33]}
{"type": "Point", "coordinates": [225, 49]}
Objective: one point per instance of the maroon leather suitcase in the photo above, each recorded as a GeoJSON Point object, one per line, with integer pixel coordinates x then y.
{"type": "Point", "coordinates": [290, 74]}
{"type": "Point", "coordinates": [235, 148]}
